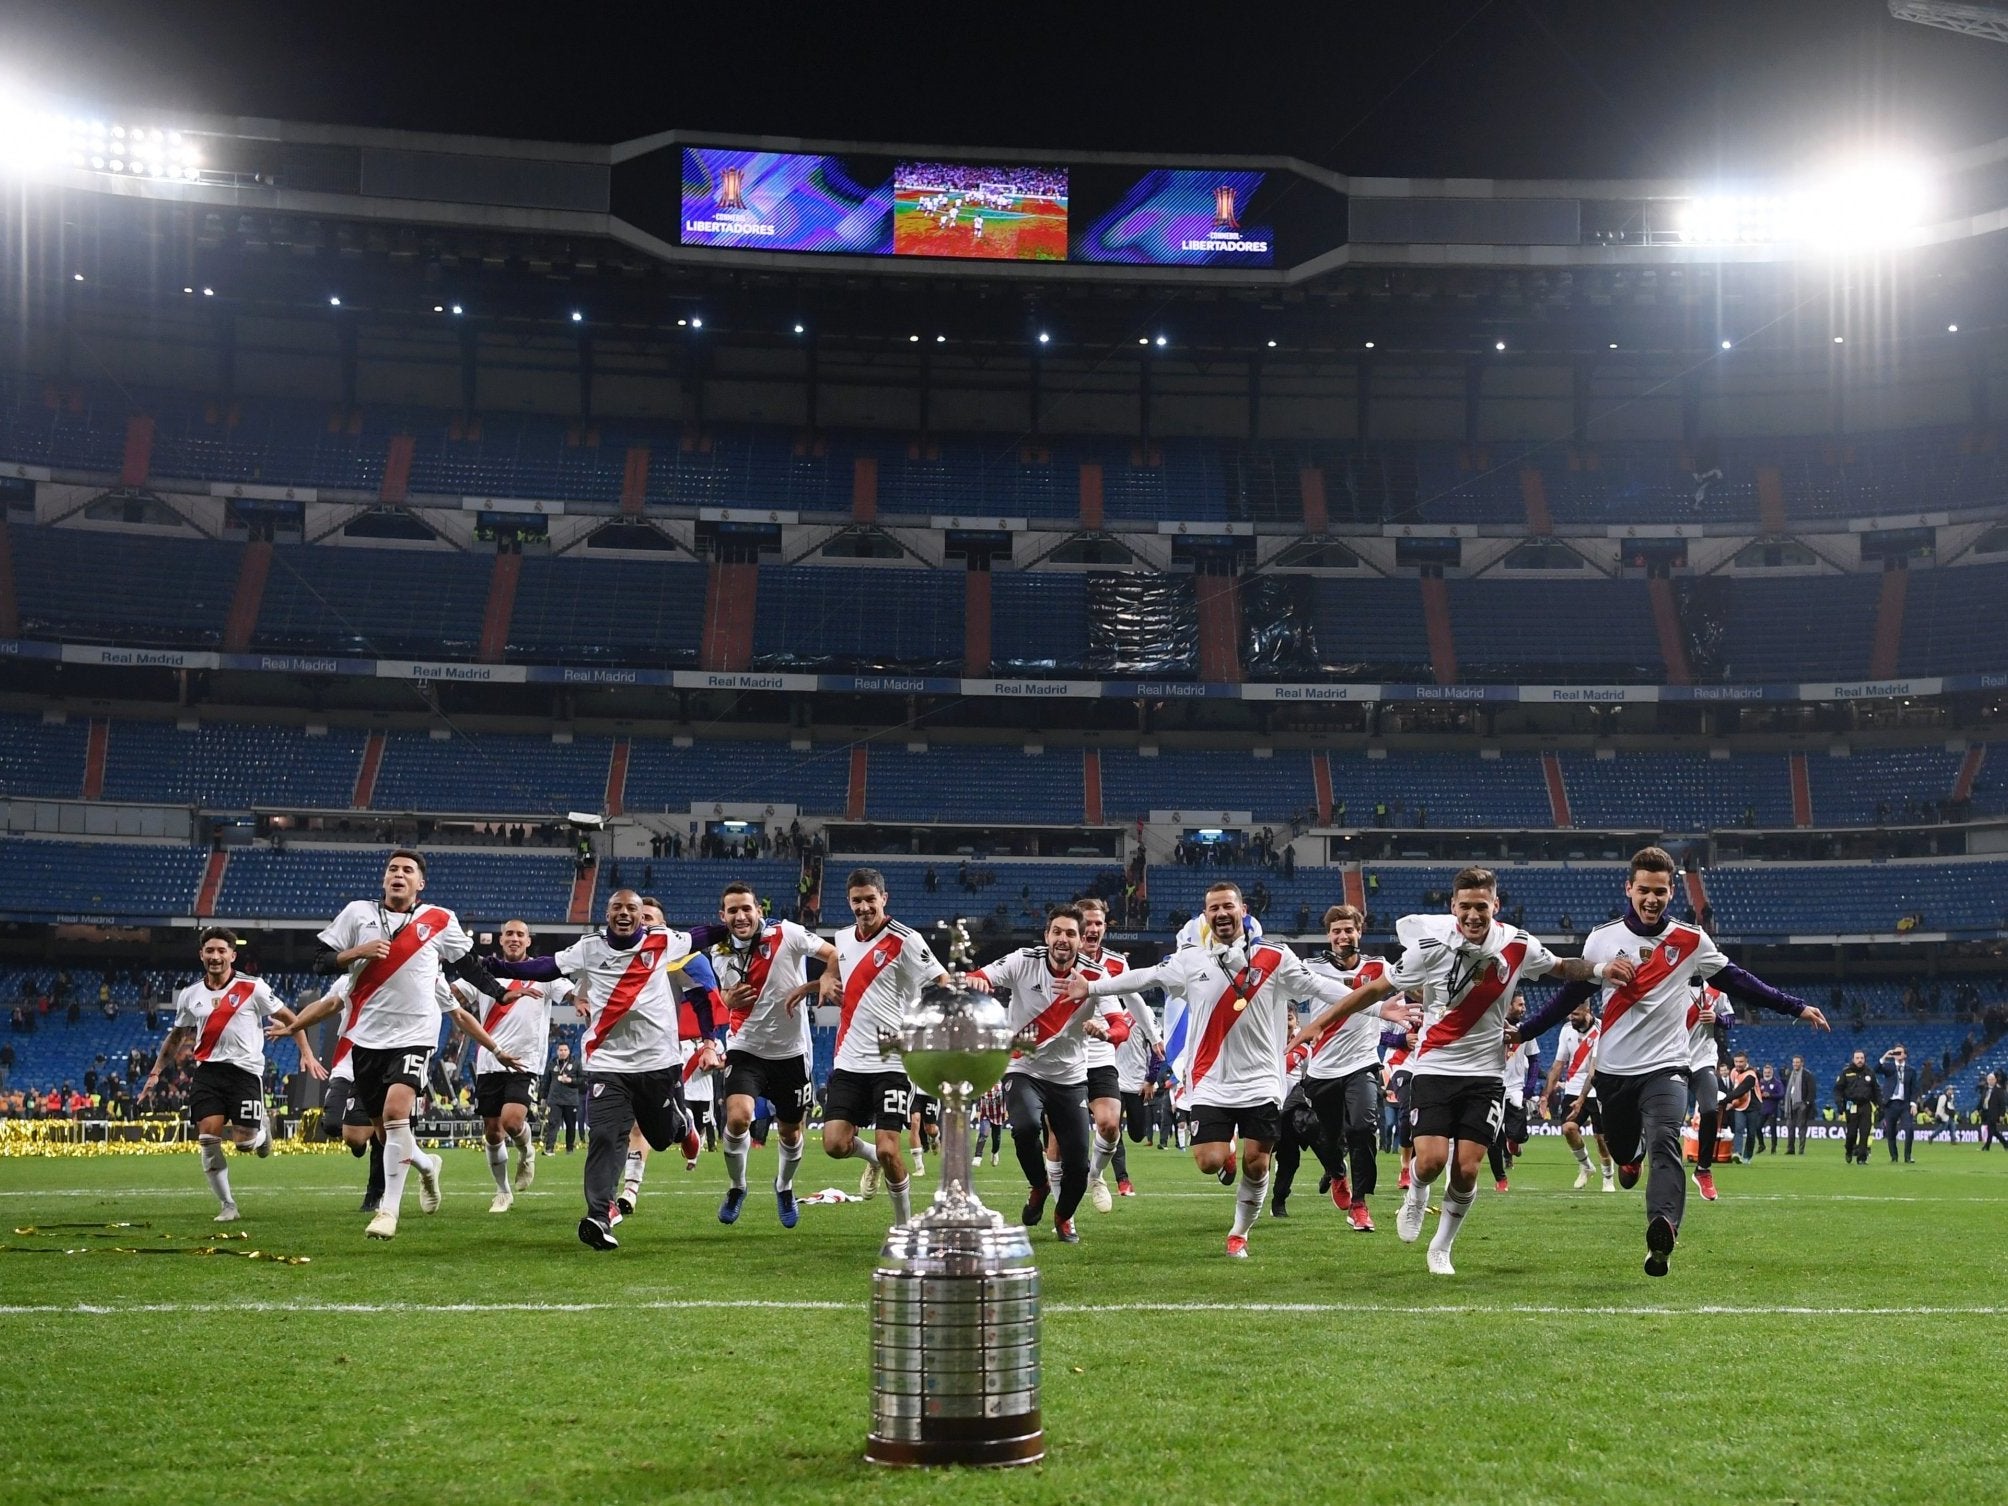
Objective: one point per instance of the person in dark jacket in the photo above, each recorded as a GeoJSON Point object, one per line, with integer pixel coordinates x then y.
{"type": "Point", "coordinates": [1855, 1094]}
{"type": "Point", "coordinates": [1993, 1104]}
{"type": "Point", "coordinates": [1802, 1097]}
{"type": "Point", "coordinates": [561, 1099]}
{"type": "Point", "coordinates": [1899, 1114]}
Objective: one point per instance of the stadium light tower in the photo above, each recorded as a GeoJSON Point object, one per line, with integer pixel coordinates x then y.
{"type": "Point", "coordinates": [1988, 21]}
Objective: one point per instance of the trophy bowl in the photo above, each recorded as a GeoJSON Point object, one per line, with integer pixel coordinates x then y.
{"type": "Point", "coordinates": [956, 1042]}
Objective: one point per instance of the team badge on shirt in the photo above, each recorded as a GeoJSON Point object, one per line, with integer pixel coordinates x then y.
{"type": "Point", "coordinates": [424, 932]}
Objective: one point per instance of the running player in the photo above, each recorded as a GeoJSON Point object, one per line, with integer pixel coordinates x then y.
{"type": "Point", "coordinates": [1046, 1083]}
{"type": "Point", "coordinates": [1575, 1052]}
{"type": "Point", "coordinates": [1238, 994]}
{"type": "Point", "coordinates": [695, 982]}
{"type": "Point", "coordinates": [1709, 1016]}
{"type": "Point", "coordinates": [398, 949]}
{"type": "Point", "coordinates": [1644, 1052]}
{"type": "Point", "coordinates": [633, 1066]}
{"type": "Point", "coordinates": [521, 1021]}
{"type": "Point", "coordinates": [767, 1052]}
{"type": "Point", "coordinates": [1138, 1063]}
{"type": "Point", "coordinates": [1520, 1060]}
{"type": "Point", "coordinates": [1105, 1092]}
{"type": "Point", "coordinates": [225, 1014]}
{"type": "Point", "coordinates": [1342, 1077]}
{"type": "Point", "coordinates": [881, 969]}
{"type": "Point", "coordinates": [1468, 964]}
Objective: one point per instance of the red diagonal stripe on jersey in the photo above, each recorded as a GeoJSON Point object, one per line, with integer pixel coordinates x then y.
{"type": "Point", "coordinates": [1263, 962]}
{"type": "Point", "coordinates": [342, 1041]}
{"type": "Point", "coordinates": [1694, 1006]}
{"type": "Point", "coordinates": [647, 955]}
{"type": "Point", "coordinates": [1655, 970]}
{"type": "Point", "coordinates": [219, 1017]}
{"type": "Point", "coordinates": [1582, 1052]}
{"type": "Point", "coordinates": [403, 947]}
{"type": "Point", "coordinates": [1480, 997]}
{"type": "Point", "coordinates": [863, 976]}
{"type": "Point", "coordinates": [1368, 971]}
{"type": "Point", "coordinates": [499, 1010]}
{"type": "Point", "coordinates": [1050, 1021]}
{"type": "Point", "coordinates": [759, 967]}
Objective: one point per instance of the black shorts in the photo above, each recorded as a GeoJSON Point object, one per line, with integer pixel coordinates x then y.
{"type": "Point", "coordinates": [782, 1080]}
{"type": "Point", "coordinates": [1515, 1125]}
{"type": "Point", "coordinates": [1252, 1121]}
{"type": "Point", "coordinates": [339, 1107]}
{"type": "Point", "coordinates": [876, 1100]}
{"type": "Point", "coordinates": [377, 1069]}
{"type": "Point", "coordinates": [1456, 1108]}
{"type": "Point", "coordinates": [927, 1108]}
{"type": "Point", "coordinates": [1592, 1117]}
{"type": "Point", "coordinates": [1103, 1083]}
{"type": "Point", "coordinates": [493, 1089]}
{"type": "Point", "coordinates": [220, 1088]}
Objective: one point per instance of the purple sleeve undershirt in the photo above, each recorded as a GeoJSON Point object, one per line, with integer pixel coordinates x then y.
{"type": "Point", "coordinates": [529, 970]}
{"type": "Point", "coordinates": [1746, 987]}
{"type": "Point", "coordinates": [1394, 1037]}
{"type": "Point", "coordinates": [1561, 1004]}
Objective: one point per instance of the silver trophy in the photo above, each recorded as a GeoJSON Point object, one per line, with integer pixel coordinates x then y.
{"type": "Point", "coordinates": [955, 1298]}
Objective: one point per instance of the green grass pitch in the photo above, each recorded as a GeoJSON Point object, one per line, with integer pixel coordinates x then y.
{"type": "Point", "coordinates": [1827, 1332]}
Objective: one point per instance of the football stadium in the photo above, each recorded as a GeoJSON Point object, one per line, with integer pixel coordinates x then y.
{"type": "Point", "coordinates": [782, 794]}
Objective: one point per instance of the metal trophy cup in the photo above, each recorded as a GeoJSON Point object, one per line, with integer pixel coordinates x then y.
{"type": "Point", "coordinates": [955, 1298]}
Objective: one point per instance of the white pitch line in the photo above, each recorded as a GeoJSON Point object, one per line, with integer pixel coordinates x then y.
{"type": "Point", "coordinates": [1062, 1309]}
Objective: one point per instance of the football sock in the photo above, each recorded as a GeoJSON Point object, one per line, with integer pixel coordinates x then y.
{"type": "Point", "coordinates": [1249, 1195]}
{"type": "Point", "coordinates": [216, 1169]}
{"type": "Point", "coordinates": [498, 1164]}
{"type": "Point", "coordinates": [1582, 1155]}
{"type": "Point", "coordinates": [632, 1172]}
{"type": "Point", "coordinates": [400, 1150]}
{"type": "Point", "coordinates": [1054, 1171]}
{"type": "Point", "coordinates": [1105, 1151]}
{"type": "Point", "coordinates": [373, 1191]}
{"type": "Point", "coordinates": [1455, 1205]}
{"type": "Point", "coordinates": [736, 1147]}
{"type": "Point", "coordinates": [902, 1204]}
{"type": "Point", "coordinates": [791, 1157]}
{"type": "Point", "coordinates": [865, 1150]}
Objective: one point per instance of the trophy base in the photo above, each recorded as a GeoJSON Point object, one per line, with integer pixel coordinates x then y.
{"type": "Point", "coordinates": [981, 1442]}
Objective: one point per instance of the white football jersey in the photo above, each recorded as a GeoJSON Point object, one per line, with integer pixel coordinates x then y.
{"type": "Point", "coordinates": [1353, 1044]}
{"type": "Point", "coordinates": [1039, 1004]}
{"type": "Point", "coordinates": [1519, 1061]}
{"type": "Point", "coordinates": [1701, 1038]}
{"type": "Point", "coordinates": [1100, 1052]}
{"type": "Point", "coordinates": [520, 1021]}
{"type": "Point", "coordinates": [1239, 1021]}
{"type": "Point", "coordinates": [774, 962]}
{"type": "Point", "coordinates": [396, 997]}
{"type": "Point", "coordinates": [229, 1022]}
{"type": "Point", "coordinates": [882, 974]}
{"type": "Point", "coordinates": [630, 1005]}
{"type": "Point", "coordinates": [1575, 1049]}
{"type": "Point", "coordinates": [1645, 1020]}
{"type": "Point", "coordinates": [1465, 991]}
{"type": "Point", "coordinates": [1133, 1055]}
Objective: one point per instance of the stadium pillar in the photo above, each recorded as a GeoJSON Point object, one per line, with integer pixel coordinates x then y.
{"type": "Point", "coordinates": [1770, 499]}
{"type": "Point", "coordinates": [617, 771]}
{"type": "Point", "coordinates": [1969, 770]}
{"type": "Point", "coordinates": [925, 393]}
{"type": "Point", "coordinates": [366, 772]}
{"type": "Point", "coordinates": [1355, 880]}
{"type": "Point", "coordinates": [731, 593]}
{"type": "Point", "coordinates": [252, 572]}
{"type": "Point", "coordinates": [1311, 487]}
{"type": "Point", "coordinates": [1534, 497]}
{"type": "Point", "coordinates": [1666, 624]}
{"type": "Point", "coordinates": [864, 489]}
{"type": "Point", "coordinates": [94, 758]}
{"type": "Point", "coordinates": [634, 481]}
{"type": "Point", "coordinates": [854, 796]}
{"type": "Point", "coordinates": [10, 604]}
{"type": "Point", "coordinates": [1035, 380]}
{"type": "Point", "coordinates": [1558, 792]}
{"type": "Point", "coordinates": [1091, 786]}
{"type": "Point", "coordinates": [138, 459]}
{"type": "Point", "coordinates": [397, 469]}
{"type": "Point", "coordinates": [212, 883]}
{"type": "Point", "coordinates": [812, 387]}
{"type": "Point", "coordinates": [1436, 619]}
{"type": "Point", "coordinates": [346, 353]}
{"type": "Point", "coordinates": [1219, 627]}
{"type": "Point", "coordinates": [1143, 396]}
{"type": "Point", "coordinates": [501, 607]}
{"type": "Point", "coordinates": [1887, 647]}
{"type": "Point", "coordinates": [1321, 785]}
{"type": "Point", "coordinates": [976, 615]}
{"type": "Point", "coordinates": [1091, 495]}
{"type": "Point", "coordinates": [1802, 792]}
{"type": "Point", "coordinates": [1697, 892]}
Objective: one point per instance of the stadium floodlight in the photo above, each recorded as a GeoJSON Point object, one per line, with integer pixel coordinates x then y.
{"type": "Point", "coordinates": [458, 309]}
{"type": "Point", "coordinates": [1840, 339]}
{"type": "Point", "coordinates": [913, 339]}
{"type": "Point", "coordinates": [76, 277]}
{"type": "Point", "coordinates": [799, 330]}
{"type": "Point", "coordinates": [1370, 345]}
{"type": "Point", "coordinates": [1952, 329]}
{"type": "Point", "coordinates": [1849, 206]}
{"type": "Point", "coordinates": [209, 292]}
{"type": "Point", "coordinates": [439, 308]}
{"type": "Point", "coordinates": [1726, 344]}
{"type": "Point", "coordinates": [1498, 344]}
{"type": "Point", "coordinates": [334, 302]}
{"type": "Point", "coordinates": [1162, 342]}
{"type": "Point", "coordinates": [1143, 339]}
{"type": "Point", "coordinates": [696, 322]}
{"type": "Point", "coordinates": [188, 290]}
{"type": "Point", "coordinates": [1272, 344]}
{"type": "Point", "coordinates": [941, 339]}
{"type": "Point", "coordinates": [1614, 345]}
{"type": "Point", "coordinates": [1044, 338]}
{"type": "Point", "coordinates": [578, 317]}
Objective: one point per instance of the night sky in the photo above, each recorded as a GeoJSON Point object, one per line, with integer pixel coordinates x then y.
{"type": "Point", "coordinates": [1511, 88]}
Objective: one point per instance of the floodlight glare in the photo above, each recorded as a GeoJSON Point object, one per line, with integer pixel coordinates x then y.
{"type": "Point", "coordinates": [1161, 342]}
{"type": "Point", "coordinates": [1044, 338]}
{"type": "Point", "coordinates": [577, 317]}
{"type": "Point", "coordinates": [1272, 344]}
{"type": "Point", "coordinates": [798, 329]}
{"type": "Point", "coordinates": [1370, 345]}
{"type": "Point", "coordinates": [1725, 345]}
{"type": "Point", "coordinates": [696, 322]}
{"type": "Point", "coordinates": [334, 303]}
{"type": "Point", "coordinates": [1498, 344]}
{"type": "Point", "coordinates": [1952, 329]}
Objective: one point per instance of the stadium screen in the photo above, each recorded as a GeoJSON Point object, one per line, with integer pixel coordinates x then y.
{"type": "Point", "coordinates": [783, 201]}
{"type": "Point", "coordinates": [983, 210]}
{"type": "Point", "coordinates": [1178, 217]}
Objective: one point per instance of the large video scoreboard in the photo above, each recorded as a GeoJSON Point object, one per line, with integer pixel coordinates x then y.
{"type": "Point", "coordinates": [965, 208]}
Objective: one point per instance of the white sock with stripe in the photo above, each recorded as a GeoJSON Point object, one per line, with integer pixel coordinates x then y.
{"type": "Point", "coordinates": [735, 1148]}
{"type": "Point", "coordinates": [1105, 1152]}
{"type": "Point", "coordinates": [791, 1157]}
{"type": "Point", "coordinates": [1610, 1171]}
{"type": "Point", "coordinates": [1418, 1193]}
{"type": "Point", "coordinates": [1582, 1155]}
{"type": "Point", "coordinates": [1054, 1171]}
{"type": "Point", "coordinates": [498, 1164]}
{"type": "Point", "coordinates": [400, 1149]}
{"type": "Point", "coordinates": [217, 1169]}
{"type": "Point", "coordinates": [1248, 1197]}
{"type": "Point", "coordinates": [1455, 1205]}
{"type": "Point", "coordinates": [902, 1203]}
{"type": "Point", "coordinates": [631, 1175]}
{"type": "Point", "coordinates": [864, 1150]}
{"type": "Point", "coordinates": [522, 1140]}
